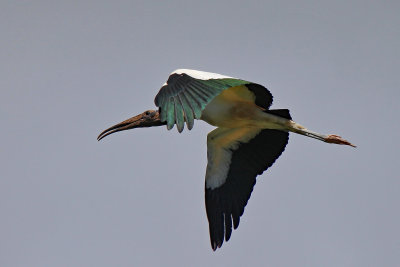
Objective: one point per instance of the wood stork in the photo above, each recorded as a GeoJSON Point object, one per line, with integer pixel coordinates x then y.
{"type": "Point", "coordinates": [248, 140]}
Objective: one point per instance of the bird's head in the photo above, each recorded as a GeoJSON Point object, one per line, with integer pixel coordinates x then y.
{"type": "Point", "coordinates": [148, 118]}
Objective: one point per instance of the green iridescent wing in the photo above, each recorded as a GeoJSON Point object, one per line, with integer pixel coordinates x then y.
{"type": "Point", "coordinates": [183, 98]}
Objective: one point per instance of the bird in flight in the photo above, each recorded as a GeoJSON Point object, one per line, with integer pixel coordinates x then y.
{"type": "Point", "coordinates": [248, 139]}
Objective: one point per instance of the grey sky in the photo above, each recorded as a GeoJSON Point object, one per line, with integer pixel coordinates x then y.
{"type": "Point", "coordinates": [70, 69]}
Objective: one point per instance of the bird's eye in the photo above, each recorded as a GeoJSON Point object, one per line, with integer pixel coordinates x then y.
{"type": "Point", "coordinates": [147, 113]}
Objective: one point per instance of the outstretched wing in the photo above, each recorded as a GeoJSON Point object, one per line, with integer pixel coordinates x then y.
{"type": "Point", "coordinates": [235, 158]}
{"type": "Point", "coordinates": [187, 92]}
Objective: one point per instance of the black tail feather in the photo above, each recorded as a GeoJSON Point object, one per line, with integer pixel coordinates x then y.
{"type": "Point", "coordinates": [284, 113]}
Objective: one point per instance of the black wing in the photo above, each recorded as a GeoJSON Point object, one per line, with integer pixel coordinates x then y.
{"type": "Point", "coordinates": [226, 197]}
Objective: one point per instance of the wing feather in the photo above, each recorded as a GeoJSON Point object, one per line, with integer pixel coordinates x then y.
{"type": "Point", "coordinates": [194, 104]}
{"type": "Point", "coordinates": [198, 88]}
{"type": "Point", "coordinates": [179, 114]}
{"type": "Point", "coordinates": [247, 153]}
{"type": "Point", "coordinates": [170, 113]}
{"type": "Point", "coordinates": [188, 110]}
{"type": "Point", "coordinates": [200, 95]}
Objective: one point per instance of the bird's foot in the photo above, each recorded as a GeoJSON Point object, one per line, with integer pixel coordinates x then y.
{"type": "Point", "coordinates": [336, 139]}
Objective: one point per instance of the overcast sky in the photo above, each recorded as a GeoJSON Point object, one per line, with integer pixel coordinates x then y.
{"type": "Point", "coordinates": [70, 69]}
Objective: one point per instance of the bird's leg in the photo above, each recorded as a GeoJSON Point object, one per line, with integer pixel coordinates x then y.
{"type": "Point", "coordinates": [330, 138]}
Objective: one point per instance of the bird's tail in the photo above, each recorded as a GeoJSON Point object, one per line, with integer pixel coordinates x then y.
{"type": "Point", "coordinates": [284, 113]}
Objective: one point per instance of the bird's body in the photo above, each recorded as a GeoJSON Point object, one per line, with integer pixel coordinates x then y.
{"type": "Point", "coordinates": [235, 108]}
{"type": "Point", "coordinates": [248, 140]}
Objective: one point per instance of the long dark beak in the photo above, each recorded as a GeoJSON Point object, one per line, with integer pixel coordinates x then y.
{"type": "Point", "coordinates": [146, 119]}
